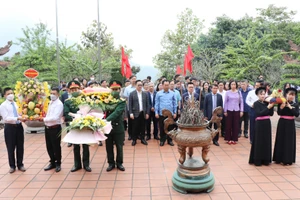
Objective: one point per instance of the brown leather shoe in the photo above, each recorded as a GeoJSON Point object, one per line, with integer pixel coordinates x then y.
{"type": "Point", "coordinates": [22, 169]}
{"type": "Point", "coordinates": [12, 170]}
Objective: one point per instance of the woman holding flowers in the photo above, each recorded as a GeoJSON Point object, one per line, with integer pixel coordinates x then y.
{"type": "Point", "coordinates": [285, 143]}
{"type": "Point", "coordinates": [261, 148]}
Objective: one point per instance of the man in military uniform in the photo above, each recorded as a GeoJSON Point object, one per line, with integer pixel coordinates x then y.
{"type": "Point", "coordinates": [69, 108]}
{"type": "Point", "coordinates": [117, 134]}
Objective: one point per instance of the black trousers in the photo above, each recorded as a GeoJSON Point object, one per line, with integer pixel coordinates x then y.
{"type": "Point", "coordinates": [85, 155]}
{"type": "Point", "coordinates": [244, 119]}
{"type": "Point", "coordinates": [139, 126]}
{"type": "Point", "coordinates": [163, 135]}
{"type": "Point", "coordinates": [117, 138]}
{"type": "Point", "coordinates": [14, 139]}
{"type": "Point", "coordinates": [53, 138]}
{"type": "Point", "coordinates": [130, 121]}
{"type": "Point", "coordinates": [153, 119]}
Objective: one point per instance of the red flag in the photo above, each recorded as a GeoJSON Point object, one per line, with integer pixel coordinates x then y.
{"type": "Point", "coordinates": [178, 70]}
{"type": "Point", "coordinates": [189, 56]}
{"type": "Point", "coordinates": [122, 62]}
{"type": "Point", "coordinates": [185, 65]}
{"type": "Point", "coordinates": [125, 66]}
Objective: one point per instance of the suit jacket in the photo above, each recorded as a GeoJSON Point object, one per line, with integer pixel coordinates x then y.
{"type": "Point", "coordinates": [197, 90]}
{"type": "Point", "coordinates": [64, 97]}
{"type": "Point", "coordinates": [208, 104]}
{"type": "Point", "coordinates": [185, 97]}
{"type": "Point", "coordinates": [134, 107]}
{"type": "Point", "coordinates": [151, 104]}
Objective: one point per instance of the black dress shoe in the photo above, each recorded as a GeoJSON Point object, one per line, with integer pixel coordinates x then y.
{"type": "Point", "coordinates": [100, 144]}
{"type": "Point", "coordinates": [12, 170]}
{"type": "Point", "coordinates": [22, 169]}
{"type": "Point", "coordinates": [74, 169]}
{"type": "Point", "coordinates": [216, 143]}
{"type": "Point", "coordinates": [129, 138]}
{"type": "Point", "coordinates": [49, 167]}
{"type": "Point", "coordinates": [88, 169]}
{"type": "Point", "coordinates": [57, 168]}
{"type": "Point", "coordinates": [246, 135]}
{"type": "Point", "coordinates": [161, 144]}
{"type": "Point", "coordinates": [156, 137]}
{"type": "Point", "coordinates": [148, 138]}
{"type": "Point", "coordinates": [144, 142]}
{"type": "Point", "coordinates": [133, 143]}
{"type": "Point", "coordinates": [69, 144]}
{"type": "Point", "coordinates": [170, 143]}
{"type": "Point", "coordinates": [120, 167]}
{"type": "Point", "coordinates": [110, 167]}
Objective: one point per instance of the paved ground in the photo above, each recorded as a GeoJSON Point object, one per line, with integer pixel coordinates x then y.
{"type": "Point", "coordinates": [148, 174]}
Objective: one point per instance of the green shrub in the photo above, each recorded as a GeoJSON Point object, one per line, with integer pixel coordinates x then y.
{"type": "Point", "coordinates": [2, 100]}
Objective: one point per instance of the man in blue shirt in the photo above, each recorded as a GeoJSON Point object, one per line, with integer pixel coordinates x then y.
{"type": "Point", "coordinates": [165, 99]}
{"type": "Point", "coordinates": [245, 118]}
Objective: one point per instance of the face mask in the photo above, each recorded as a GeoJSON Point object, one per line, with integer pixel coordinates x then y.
{"type": "Point", "coordinates": [115, 94]}
{"type": "Point", "coordinates": [53, 97]}
{"type": "Point", "coordinates": [92, 79]}
{"type": "Point", "coordinates": [75, 94]}
{"type": "Point", "coordinates": [10, 97]}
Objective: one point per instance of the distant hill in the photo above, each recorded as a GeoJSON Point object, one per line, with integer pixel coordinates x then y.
{"type": "Point", "coordinates": [148, 71]}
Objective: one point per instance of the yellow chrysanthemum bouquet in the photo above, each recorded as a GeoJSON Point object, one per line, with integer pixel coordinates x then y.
{"type": "Point", "coordinates": [32, 99]}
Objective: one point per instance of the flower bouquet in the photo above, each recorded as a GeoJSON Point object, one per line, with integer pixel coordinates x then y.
{"type": "Point", "coordinates": [87, 127]}
{"type": "Point", "coordinates": [276, 97]}
{"type": "Point", "coordinates": [32, 99]}
{"type": "Point", "coordinates": [96, 98]}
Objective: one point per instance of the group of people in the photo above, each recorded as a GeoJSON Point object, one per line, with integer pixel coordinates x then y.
{"type": "Point", "coordinates": [140, 110]}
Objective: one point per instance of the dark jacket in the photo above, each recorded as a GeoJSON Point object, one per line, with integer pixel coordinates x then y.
{"type": "Point", "coordinates": [116, 117]}
{"type": "Point", "coordinates": [64, 97]}
{"type": "Point", "coordinates": [244, 95]}
{"type": "Point", "coordinates": [151, 104]}
{"type": "Point", "coordinates": [69, 107]}
{"type": "Point", "coordinates": [134, 107]}
{"type": "Point", "coordinates": [185, 97]}
{"type": "Point", "coordinates": [208, 104]}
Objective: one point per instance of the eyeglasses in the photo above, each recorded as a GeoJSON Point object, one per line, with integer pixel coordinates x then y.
{"type": "Point", "coordinates": [114, 89]}
{"type": "Point", "coordinates": [139, 85]}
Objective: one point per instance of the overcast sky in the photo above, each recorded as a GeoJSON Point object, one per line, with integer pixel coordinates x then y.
{"type": "Point", "coordinates": [139, 24]}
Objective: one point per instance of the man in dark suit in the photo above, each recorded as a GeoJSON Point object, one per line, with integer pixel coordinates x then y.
{"type": "Point", "coordinates": [65, 96]}
{"type": "Point", "coordinates": [211, 101]}
{"type": "Point", "coordinates": [190, 95]}
{"type": "Point", "coordinates": [139, 110]}
{"type": "Point", "coordinates": [151, 97]}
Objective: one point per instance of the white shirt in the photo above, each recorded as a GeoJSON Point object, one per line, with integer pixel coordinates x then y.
{"type": "Point", "coordinates": [223, 96]}
{"type": "Point", "coordinates": [140, 100]}
{"type": "Point", "coordinates": [7, 113]}
{"type": "Point", "coordinates": [214, 101]}
{"type": "Point", "coordinates": [54, 113]}
{"type": "Point", "coordinates": [151, 95]}
{"type": "Point", "coordinates": [251, 98]}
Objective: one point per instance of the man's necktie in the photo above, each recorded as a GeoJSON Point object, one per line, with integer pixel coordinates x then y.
{"type": "Point", "coordinates": [15, 111]}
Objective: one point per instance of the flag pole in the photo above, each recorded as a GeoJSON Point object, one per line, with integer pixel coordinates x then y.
{"type": "Point", "coordinates": [99, 40]}
{"type": "Point", "coordinates": [57, 47]}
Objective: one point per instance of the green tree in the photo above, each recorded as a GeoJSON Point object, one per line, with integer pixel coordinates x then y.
{"type": "Point", "coordinates": [252, 57]}
{"type": "Point", "coordinates": [174, 43]}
